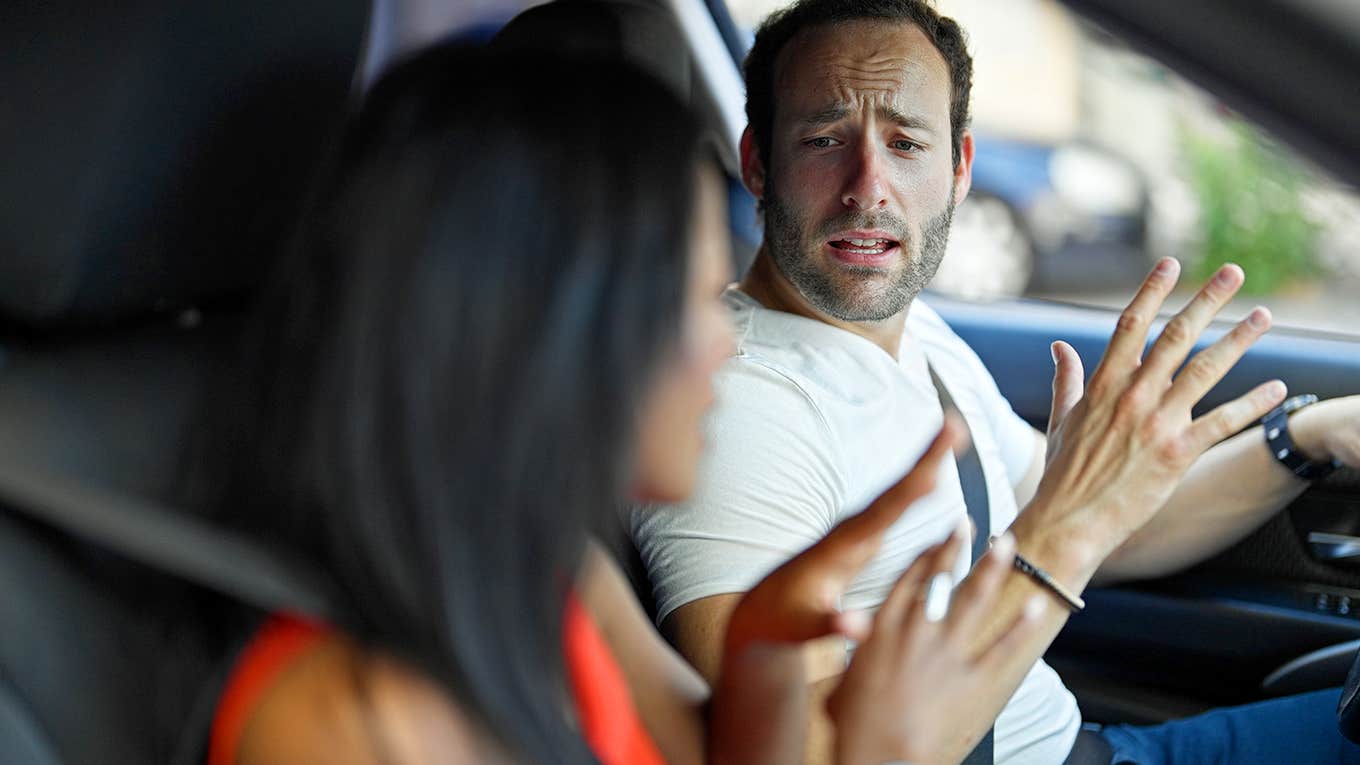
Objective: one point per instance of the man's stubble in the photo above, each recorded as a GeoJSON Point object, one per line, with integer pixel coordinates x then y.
{"type": "Point", "coordinates": [846, 298]}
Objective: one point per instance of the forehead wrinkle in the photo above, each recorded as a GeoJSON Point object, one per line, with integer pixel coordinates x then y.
{"type": "Point", "coordinates": [884, 111]}
{"type": "Point", "coordinates": [877, 68]}
{"type": "Point", "coordinates": [884, 74]}
{"type": "Point", "coordinates": [887, 68]}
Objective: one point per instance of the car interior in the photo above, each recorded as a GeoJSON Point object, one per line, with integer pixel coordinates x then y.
{"type": "Point", "coordinates": [155, 156]}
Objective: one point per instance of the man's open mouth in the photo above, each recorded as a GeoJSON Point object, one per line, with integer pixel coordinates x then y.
{"type": "Point", "coordinates": [863, 246]}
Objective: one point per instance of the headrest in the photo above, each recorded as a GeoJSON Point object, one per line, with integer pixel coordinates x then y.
{"type": "Point", "coordinates": [644, 34]}
{"type": "Point", "coordinates": [153, 155]}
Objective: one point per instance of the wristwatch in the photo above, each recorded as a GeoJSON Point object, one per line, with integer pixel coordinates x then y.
{"type": "Point", "coordinates": [1276, 425]}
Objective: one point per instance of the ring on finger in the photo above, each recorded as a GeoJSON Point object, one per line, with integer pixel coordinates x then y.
{"type": "Point", "coordinates": [937, 596]}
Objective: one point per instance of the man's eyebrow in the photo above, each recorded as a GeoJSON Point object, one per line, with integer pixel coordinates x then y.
{"type": "Point", "coordinates": [837, 112]}
{"type": "Point", "coordinates": [911, 121]}
{"type": "Point", "coordinates": [827, 116]}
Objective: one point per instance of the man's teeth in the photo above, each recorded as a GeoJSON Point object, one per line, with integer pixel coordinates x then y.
{"type": "Point", "coordinates": [863, 246]}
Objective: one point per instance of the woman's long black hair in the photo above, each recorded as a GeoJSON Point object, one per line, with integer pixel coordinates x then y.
{"type": "Point", "coordinates": [444, 397]}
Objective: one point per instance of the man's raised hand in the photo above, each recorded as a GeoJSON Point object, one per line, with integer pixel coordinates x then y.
{"type": "Point", "coordinates": [1118, 445]}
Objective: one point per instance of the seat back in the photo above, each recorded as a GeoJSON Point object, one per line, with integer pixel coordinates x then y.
{"type": "Point", "coordinates": [154, 157]}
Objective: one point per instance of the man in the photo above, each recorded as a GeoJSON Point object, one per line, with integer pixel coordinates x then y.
{"type": "Point", "coordinates": [858, 151]}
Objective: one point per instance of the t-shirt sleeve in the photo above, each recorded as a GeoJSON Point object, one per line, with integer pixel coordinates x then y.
{"type": "Point", "coordinates": [768, 487]}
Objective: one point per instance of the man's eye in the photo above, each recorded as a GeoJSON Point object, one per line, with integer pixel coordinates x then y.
{"type": "Point", "coordinates": [905, 145]}
{"type": "Point", "coordinates": [822, 142]}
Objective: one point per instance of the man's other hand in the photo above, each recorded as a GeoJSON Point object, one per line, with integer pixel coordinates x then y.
{"type": "Point", "coordinates": [1329, 430]}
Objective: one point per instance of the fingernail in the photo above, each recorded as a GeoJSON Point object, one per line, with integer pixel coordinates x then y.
{"type": "Point", "coordinates": [1035, 607]}
{"type": "Point", "coordinates": [1276, 389]}
{"type": "Point", "coordinates": [1053, 351]}
{"type": "Point", "coordinates": [1228, 274]}
{"type": "Point", "coordinates": [1259, 318]}
{"type": "Point", "coordinates": [1166, 266]}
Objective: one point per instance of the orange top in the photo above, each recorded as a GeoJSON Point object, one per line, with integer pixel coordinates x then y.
{"type": "Point", "coordinates": [609, 721]}
{"type": "Point", "coordinates": [281, 640]}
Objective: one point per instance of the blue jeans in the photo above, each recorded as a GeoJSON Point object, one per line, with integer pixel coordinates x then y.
{"type": "Point", "coordinates": [1291, 730]}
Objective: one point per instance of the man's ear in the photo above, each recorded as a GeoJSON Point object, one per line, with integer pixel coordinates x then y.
{"type": "Point", "coordinates": [963, 173]}
{"type": "Point", "coordinates": [752, 169]}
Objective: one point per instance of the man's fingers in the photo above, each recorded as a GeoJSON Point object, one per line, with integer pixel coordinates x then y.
{"type": "Point", "coordinates": [1180, 333]}
{"type": "Point", "coordinates": [975, 600]}
{"type": "Point", "coordinates": [1209, 365]}
{"type": "Point", "coordinates": [1068, 383]}
{"type": "Point", "coordinates": [1235, 415]}
{"type": "Point", "coordinates": [1125, 350]}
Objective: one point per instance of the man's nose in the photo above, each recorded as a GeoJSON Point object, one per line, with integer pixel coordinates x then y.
{"type": "Point", "coordinates": [866, 189]}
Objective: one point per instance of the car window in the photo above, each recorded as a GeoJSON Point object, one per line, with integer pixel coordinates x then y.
{"type": "Point", "coordinates": [1094, 160]}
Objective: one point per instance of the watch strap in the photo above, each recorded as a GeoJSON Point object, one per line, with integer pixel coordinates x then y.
{"type": "Point", "coordinates": [1281, 443]}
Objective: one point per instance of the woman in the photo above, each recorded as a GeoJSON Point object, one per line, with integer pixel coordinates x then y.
{"type": "Point", "coordinates": [503, 323]}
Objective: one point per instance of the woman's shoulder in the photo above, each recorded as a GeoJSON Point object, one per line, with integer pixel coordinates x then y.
{"type": "Point", "coordinates": [342, 703]}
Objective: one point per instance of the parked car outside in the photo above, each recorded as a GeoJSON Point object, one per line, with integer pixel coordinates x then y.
{"type": "Point", "coordinates": [1046, 217]}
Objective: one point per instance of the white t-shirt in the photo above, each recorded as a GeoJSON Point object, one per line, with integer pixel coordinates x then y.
{"type": "Point", "coordinates": [810, 424]}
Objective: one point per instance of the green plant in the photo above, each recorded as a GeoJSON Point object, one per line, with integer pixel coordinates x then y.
{"type": "Point", "coordinates": [1250, 209]}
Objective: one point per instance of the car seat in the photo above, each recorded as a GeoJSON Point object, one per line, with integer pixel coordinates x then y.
{"type": "Point", "coordinates": [154, 156]}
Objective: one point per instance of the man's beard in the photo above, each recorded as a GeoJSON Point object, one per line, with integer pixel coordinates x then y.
{"type": "Point", "coordinates": [849, 292]}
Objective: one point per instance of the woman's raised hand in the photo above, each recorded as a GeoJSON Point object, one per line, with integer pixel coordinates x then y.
{"type": "Point", "coordinates": [760, 711]}
{"type": "Point", "coordinates": [799, 601]}
{"type": "Point", "coordinates": [918, 688]}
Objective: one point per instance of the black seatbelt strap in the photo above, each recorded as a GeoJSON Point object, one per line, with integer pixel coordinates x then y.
{"type": "Point", "coordinates": [971, 477]}
{"type": "Point", "coordinates": [168, 541]}
{"type": "Point", "coordinates": [974, 484]}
